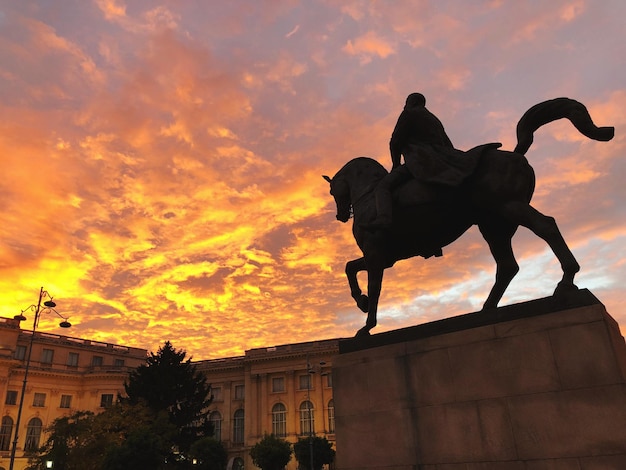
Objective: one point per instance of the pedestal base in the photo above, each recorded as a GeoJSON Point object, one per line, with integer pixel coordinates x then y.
{"type": "Point", "coordinates": [533, 386]}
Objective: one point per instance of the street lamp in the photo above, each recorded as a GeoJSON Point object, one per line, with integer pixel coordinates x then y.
{"type": "Point", "coordinates": [48, 305]}
{"type": "Point", "coordinates": [310, 370]}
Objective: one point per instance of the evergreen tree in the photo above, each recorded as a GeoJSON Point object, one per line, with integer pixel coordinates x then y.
{"type": "Point", "coordinates": [168, 382]}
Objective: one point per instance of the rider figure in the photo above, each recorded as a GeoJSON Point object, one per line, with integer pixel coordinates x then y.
{"type": "Point", "coordinates": [421, 138]}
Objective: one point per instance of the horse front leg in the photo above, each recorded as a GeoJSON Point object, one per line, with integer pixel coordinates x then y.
{"type": "Point", "coordinates": [498, 234]}
{"type": "Point", "coordinates": [352, 269]}
{"type": "Point", "coordinates": [374, 285]}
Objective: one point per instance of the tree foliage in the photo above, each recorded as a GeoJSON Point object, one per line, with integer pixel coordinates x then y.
{"type": "Point", "coordinates": [169, 383]}
{"type": "Point", "coordinates": [323, 452]}
{"type": "Point", "coordinates": [271, 453]}
{"type": "Point", "coordinates": [86, 441]}
{"type": "Point", "coordinates": [209, 453]}
{"type": "Point", "coordinates": [154, 426]}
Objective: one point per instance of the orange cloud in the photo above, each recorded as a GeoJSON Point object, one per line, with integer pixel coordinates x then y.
{"type": "Point", "coordinates": [368, 46]}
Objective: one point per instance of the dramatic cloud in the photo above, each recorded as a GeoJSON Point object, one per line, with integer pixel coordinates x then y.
{"type": "Point", "coordinates": [162, 162]}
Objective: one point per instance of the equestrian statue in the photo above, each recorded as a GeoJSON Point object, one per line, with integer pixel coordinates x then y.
{"type": "Point", "coordinates": [439, 192]}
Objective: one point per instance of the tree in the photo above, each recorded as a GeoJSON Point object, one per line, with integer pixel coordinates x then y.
{"type": "Point", "coordinates": [209, 453]}
{"type": "Point", "coordinates": [168, 382]}
{"type": "Point", "coordinates": [86, 441]}
{"type": "Point", "coordinates": [271, 453]}
{"type": "Point", "coordinates": [323, 452]}
{"type": "Point", "coordinates": [66, 436]}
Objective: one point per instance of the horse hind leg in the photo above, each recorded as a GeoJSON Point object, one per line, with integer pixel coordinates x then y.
{"type": "Point", "coordinates": [498, 236]}
{"type": "Point", "coordinates": [546, 228]}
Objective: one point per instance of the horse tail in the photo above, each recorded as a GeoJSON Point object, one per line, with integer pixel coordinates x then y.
{"type": "Point", "coordinates": [559, 108]}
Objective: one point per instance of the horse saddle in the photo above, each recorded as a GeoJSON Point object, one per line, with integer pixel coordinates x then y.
{"type": "Point", "coordinates": [436, 171]}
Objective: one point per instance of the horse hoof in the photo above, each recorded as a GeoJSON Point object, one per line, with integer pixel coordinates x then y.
{"type": "Point", "coordinates": [363, 332]}
{"type": "Point", "coordinates": [564, 288]}
{"type": "Point", "coordinates": [363, 303]}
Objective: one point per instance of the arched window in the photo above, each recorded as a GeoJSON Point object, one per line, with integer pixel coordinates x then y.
{"type": "Point", "coordinates": [331, 416]}
{"type": "Point", "coordinates": [307, 419]}
{"type": "Point", "coordinates": [33, 434]}
{"type": "Point", "coordinates": [238, 420]}
{"type": "Point", "coordinates": [5, 432]}
{"type": "Point", "coordinates": [279, 420]}
{"type": "Point", "coordinates": [215, 418]}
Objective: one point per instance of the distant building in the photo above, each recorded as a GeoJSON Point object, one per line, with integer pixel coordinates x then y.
{"type": "Point", "coordinates": [283, 390]}
{"type": "Point", "coordinates": [66, 374]}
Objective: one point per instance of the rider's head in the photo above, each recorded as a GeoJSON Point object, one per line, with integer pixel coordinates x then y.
{"type": "Point", "coordinates": [415, 100]}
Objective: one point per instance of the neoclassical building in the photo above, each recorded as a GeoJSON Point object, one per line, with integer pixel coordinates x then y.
{"type": "Point", "coordinates": [282, 390]}
{"type": "Point", "coordinates": [285, 390]}
{"type": "Point", "coordinates": [65, 375]}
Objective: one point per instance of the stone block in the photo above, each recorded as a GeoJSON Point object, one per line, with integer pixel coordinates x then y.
{"type": "Point", "coordinates": [583, 422]}
{"type": "Point", "coordinates": [465, 432]}
{"type": "Point", "coordinates": [430, 377]}
{"type": "Point", "coordinates": [584, 356]}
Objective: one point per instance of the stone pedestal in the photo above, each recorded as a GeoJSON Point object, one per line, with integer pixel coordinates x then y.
{"type": "Point", "coordinates": [533, 386]}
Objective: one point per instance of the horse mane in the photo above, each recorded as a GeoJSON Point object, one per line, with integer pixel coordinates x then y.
{"type": "Point", "coordinates": [364, 165]}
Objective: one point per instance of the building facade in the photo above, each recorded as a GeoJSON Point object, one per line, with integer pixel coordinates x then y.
{"type": "Point", "coordinates": [282, 390]}
{"type": "Point", "coordinates": [65, 375]}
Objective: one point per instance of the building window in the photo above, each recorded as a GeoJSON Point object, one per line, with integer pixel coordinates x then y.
{"type": "Point", "coordinates": [278, 384]}
{"type": "Point", "coordinates": [216, 393]}
{"type": "Point", "coordinates": [238, 427]}
{"type": "Point", "coordinates": [5, 432]}
{"type": "Point", "coordinates": [305, 382]}
{"type": "Point", "coordinates": [72, 359]}
{"type": "Point", "coordinates": [96, 361]}
{"type": "Point", "coordinates": [215, 418]}
{"type": "Point", "coordinates": [329, 380]}
{"type": "Point", "coordinates": [240, 392]}
{"type": "Point", "coordinates": [11, 397]}
{"type": "Point", "coordinates": [20, 353]}
{"type": "Point", "coordinates": [39, 400]}
{"type": "Point", "coordinates": [33, 434]}
{"type": "Point", "coordinates": [279, 420]}
{"type": "Point", "coordinates": [307, 419]}
{"type": "Point", "coordinates": [66, 401]}
{"type": "Point", "coordinates": [118, 362]}
{"type": "Point", "coordinates": [331, 416]}
{"type": "Point", "coordinates": [106, 400]}
{"type": "Point", "coordinates": [47, 355]}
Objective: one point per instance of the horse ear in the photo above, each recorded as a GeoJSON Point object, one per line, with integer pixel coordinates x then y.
{"type": "Point", "coordinates": [327, 178]}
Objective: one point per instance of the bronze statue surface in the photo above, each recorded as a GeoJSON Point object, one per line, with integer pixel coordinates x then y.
{"type": "Point", "coordinates": [428, 216]}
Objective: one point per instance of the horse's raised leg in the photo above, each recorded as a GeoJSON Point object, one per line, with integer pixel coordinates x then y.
{"type": "Point", "coordinates": [498, 236]}
{"type": "Point", "coordinates": [545, 227]}
{"type": "Point", "coordinates": [352, 269]}
{"type": "Point", "coordinates": [374, 285]}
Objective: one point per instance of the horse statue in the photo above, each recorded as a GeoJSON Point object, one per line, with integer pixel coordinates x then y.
{"type": "Point", "coordinates": [427, 217]}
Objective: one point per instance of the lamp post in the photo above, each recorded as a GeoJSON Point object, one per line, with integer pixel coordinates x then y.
{"type": "Point", "coordinates": [310, 370]}
{"type": "Point", "coordinates": [48, 305]}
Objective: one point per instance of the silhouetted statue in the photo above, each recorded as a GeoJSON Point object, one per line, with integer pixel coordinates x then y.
{"type": "Point", "coordinates": [429, 156]}
{"type": "Point", "coordinates": [430, 215]}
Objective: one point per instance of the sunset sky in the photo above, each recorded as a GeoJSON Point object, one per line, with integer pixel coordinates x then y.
{"type": "Point", "coordinates": [162, 160]}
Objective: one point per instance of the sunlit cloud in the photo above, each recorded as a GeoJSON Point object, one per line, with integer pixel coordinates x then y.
{"type": "Point", "coordinates": [162, 163]}
{"type": "Point", "coordinates": [368, 46]}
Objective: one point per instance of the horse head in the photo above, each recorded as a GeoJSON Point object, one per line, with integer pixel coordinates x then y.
{"type": "Point", "coordinates": [340, 191]}
{"type": "Point", "coordinates": [349, 184]}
